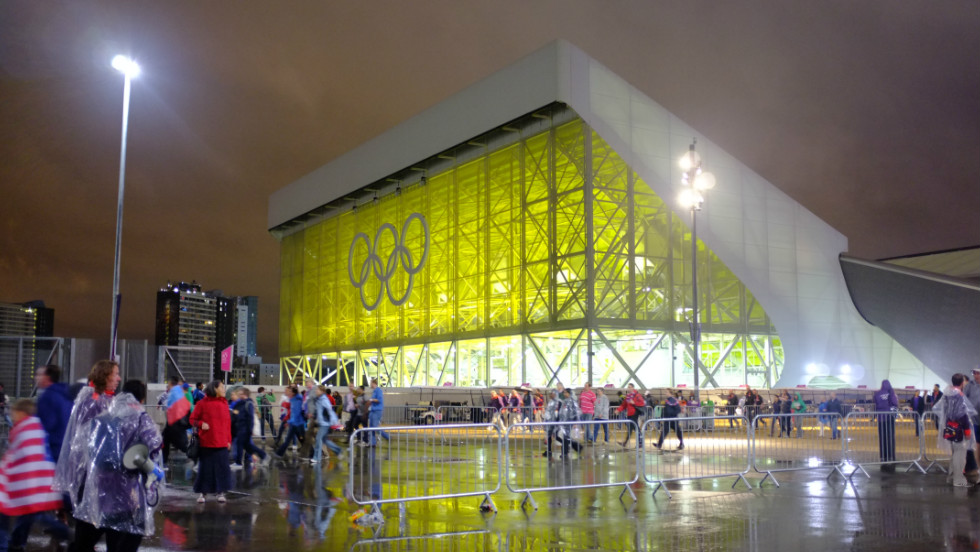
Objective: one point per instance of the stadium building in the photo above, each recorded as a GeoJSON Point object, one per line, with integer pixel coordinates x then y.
{"type": "Point", "coordinates": [527, 230]}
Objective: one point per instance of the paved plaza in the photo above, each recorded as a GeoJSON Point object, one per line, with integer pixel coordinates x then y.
{"type": "Point", "coordinates": [294, 506]}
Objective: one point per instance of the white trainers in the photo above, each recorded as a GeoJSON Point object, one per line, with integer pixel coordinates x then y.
{"type": "Point", "coordinates": [201, 499]}
{"type": "Point", "coordinates": [222, 499]}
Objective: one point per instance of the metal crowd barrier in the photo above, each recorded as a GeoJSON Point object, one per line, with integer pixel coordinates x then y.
{"type": "Point", "coordinates": [530, 465]}
{"type": "Point", "coordinates": [724, 452]}
{"type": "Point", "coordinates": [808, 444]}
{"type": "Point", "coordinates": [882, 438]}
{"type": "Point", "coordinates": [411, 463]}
{"type": "Point", "coordinates": [931, 434]}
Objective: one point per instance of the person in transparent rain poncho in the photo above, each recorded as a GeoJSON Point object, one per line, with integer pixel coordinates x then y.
{"type": "Point", "coordinates": [954, 406]}
{"type": "Point", "coordinates": [107, 498]}
{"type": "Point", "coordinates": [569, 412]}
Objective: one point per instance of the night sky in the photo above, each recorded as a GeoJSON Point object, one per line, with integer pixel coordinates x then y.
{"type": "Point", "coordinates": [866, 112]}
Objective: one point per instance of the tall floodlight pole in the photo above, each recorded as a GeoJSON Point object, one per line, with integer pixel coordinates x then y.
{"type": "Point", "coordinates": [695, 182]}
{"type": "Point", "coordinates": [130, 70]}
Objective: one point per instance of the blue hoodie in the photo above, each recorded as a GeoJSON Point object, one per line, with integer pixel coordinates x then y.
{"type": "Point", "coordinates": [54, 409]}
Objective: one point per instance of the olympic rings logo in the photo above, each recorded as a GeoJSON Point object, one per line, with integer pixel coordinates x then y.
{"type": "Point", "coordinates": [384, 269]}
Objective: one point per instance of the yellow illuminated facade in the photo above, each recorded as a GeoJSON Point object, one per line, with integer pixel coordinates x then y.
{"type": "Point", "coordinates": [533, 256]}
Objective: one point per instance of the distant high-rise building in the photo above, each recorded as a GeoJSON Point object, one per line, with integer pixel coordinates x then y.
{"type": "Point", "coordinates": [236, 325]}
{"type": "Point", "coordinates": [187, 316]}
{"type": "Point", "coordinates": [23, 320]}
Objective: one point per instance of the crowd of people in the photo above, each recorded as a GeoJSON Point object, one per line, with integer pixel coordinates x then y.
{"type": "Point", "coordinates": [65, 469]}
{"type": "Point", "coordinates": [67, 463]}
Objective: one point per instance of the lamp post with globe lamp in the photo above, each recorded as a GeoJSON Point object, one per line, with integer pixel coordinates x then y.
{"type": "Point", "coordinates": [130, 70]}
{"type": "Point", "coordinates": [695, 182]}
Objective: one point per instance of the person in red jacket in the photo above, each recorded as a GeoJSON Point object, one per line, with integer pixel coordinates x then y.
{"type": "Point", "coordinates": [212, 420]}
{"type": "Point", "coordinates": [632, 404]}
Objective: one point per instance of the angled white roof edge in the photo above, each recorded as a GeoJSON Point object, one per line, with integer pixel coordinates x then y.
{"type": "Point", "coordinates": [529, 84]}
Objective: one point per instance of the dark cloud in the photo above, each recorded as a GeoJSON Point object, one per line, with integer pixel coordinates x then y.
{"type": "Point", "coordinates": [865, 112]}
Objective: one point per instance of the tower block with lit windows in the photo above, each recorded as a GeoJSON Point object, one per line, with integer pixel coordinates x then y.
{"type": "Point", "coordinates": [528, 230]}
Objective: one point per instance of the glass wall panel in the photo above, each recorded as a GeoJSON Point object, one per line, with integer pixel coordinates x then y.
{"type": "Point", "coordinates": [505, 361]}
{"type": "Point", "coordinates": [415, 373]}
{"type": "Point", "coordinates": [549, 230]}
{"type": "Point", "coordinates": [472, 363]}
{"type": "Point", "coordinates": [442, 363]}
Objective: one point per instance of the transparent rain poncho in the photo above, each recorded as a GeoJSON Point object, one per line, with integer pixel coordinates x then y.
{"type": "Point", "coordinates": [103, 492]}
{"type": "Point", "coordinates": [953, 405]}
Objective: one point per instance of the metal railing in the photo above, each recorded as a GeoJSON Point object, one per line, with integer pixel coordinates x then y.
{"type": "Point", "coordinates": [931, 434]}
{"type": "Point", "coordinates": [531, 461]}
{"type": "Point", "coordinates": [882, 438]}
{"type": "Point", "coordinates": [804, 442]}
{"type": "Point", "coordinates": [723, 452]}
{"type": "Point", "coordinates": [411, 463]}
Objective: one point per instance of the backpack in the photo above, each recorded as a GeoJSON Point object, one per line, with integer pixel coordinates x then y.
{"type": "Point", "coordinates": [953, 431]}
{"type": "Point", "coordinates": [638, 401]}
{"type": "Point", "coordinates": [672, 410]}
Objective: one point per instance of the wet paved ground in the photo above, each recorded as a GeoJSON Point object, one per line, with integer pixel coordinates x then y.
{"type": "Point", "coordinates": [297, 507]}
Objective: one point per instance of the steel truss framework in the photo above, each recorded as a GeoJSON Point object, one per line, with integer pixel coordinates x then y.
{"type": "Point", "coordinates": [549, 259]}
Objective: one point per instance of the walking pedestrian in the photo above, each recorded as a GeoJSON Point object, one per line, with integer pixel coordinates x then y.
{"type": "Point", "coordinates": [586, 402]}
{"type": "Point", "coordinates": [106, 498]}
{"type": "Point", "coordinates": [376, 411]}
{"type": "Point", "coordinates": [569, 412]}
{"type": "Point", "coordinates": [246, 426]}
{"type": "Point", "coordinates": [350, 408]}
{"type": "Point", "coordinates": [671, 411]}
{"type": "Point", "coordinates": [265, 400]}
{"type": "Point", "coordinates": [25, 481]}
{"type": "Point", "coordinates": [75, 460]}
{"type": "Point", "coordinates": [551, 410]}
{"type": "Point", "coordinates": [212, 420]}
{"type": "Point", "coordinates": [363, 414]}
{"type": "Point", "coordinates": [632, 403]}
{"type": "Point", "coordinates": [53, 406]}
{"type": "Point", "coordinates": [799, 407]}
{"type": "Point", "coordinates": [602, 414]}
{"type": "Point", "coordinates": [296, 424]}
{"type": "Point", "coordinates": [178, 419]}
{"type": "Point", "coordinates": [326, 419]}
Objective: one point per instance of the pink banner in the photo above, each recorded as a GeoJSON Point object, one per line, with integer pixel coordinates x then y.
{"type": "Point", "coordinates": [226, 356]}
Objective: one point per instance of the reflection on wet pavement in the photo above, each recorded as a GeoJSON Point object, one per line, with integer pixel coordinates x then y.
{"type": "Point", "coordinates": [293, 506]}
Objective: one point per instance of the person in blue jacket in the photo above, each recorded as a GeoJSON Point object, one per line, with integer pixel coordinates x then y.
{"type": "Point", "coordinates": [243, 422]}
{"type": "Point", "coordinates": [377, 409]}
{"type": "Point", "coordinates": [297, 422]}
{"type": "Point", "coordinates": [53, 406]}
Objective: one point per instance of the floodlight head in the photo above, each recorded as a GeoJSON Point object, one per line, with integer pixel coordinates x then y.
{"type": "Point", "coordinates": [704, 181]}
{"type": "Point", "coordinates": [126, 66]}
{"type": "Point", "coordinates": [690, 159]}
{"type": "Point", "coordinates": [690, 198]}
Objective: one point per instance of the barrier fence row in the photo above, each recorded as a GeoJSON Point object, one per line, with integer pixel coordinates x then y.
{"type": "Point", "coordinates": [412, 462]}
